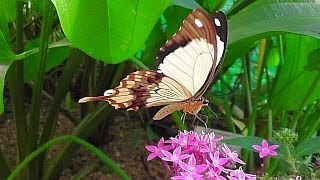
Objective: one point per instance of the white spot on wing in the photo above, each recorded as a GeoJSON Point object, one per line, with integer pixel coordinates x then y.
{"type": "Point", "coordinates": [220, 47]}
{"type": "Point", "coordinates": [217, 22]}
{"type": "Point", "coordinates": [198, 23]}
{"type": "Point", "coordinates": [108, 92]}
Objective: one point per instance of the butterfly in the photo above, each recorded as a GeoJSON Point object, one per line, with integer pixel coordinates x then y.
{"type": "Point", "coordinates": [189, 61]}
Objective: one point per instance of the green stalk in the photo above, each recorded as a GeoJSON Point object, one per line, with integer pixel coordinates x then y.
{"type": "Point", "coordinates": [227, 108]}
{"type": "Point", "coordinates": [16, 87]}
{"type": "Point", "coordinates": [4, 166]}
{"type": "Point", "coordinates": [270, 120]}
{"type": "Point", "coordinates": [38, 85]}
{"type": "Point", "coordinates": [83, 130]}
{"type": "Point", "coordinates": [247, 89]}
{"type": "Point", "coordinates": [101, 113]}
{"type": "Point", "coordinates": [139, 63]}
{"type": "Point", "coordinates": [108, 162]}
{"type": "Point", "coordinates": [71, 67]}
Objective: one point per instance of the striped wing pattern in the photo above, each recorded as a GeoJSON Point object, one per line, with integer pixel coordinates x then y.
{"type": "Point", "coordinates": [192, 55]}
{"type": "Point", "coordinates": [143, 89]}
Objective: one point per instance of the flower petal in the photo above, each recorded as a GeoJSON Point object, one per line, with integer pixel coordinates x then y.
{"type": "Point", "coordinates": [151, 148]}
{"type": "Point", "coordinates": [177, 151]}
{"type": "Point", "coordinates": [273, 153]}
{"type": "Point", "coordinates": [151, 156]}
{"type": "Point", "coordinates": [262, 154]}
{"type": "Point", "coordinates": [257, 147]}
{"type": "Point", "coordinates": [166, 153]}
{"type": "Point", "coordinates": [265, 144]}
{"type": "Point", "coordinates": [201, 168]}
{"type": "Point", "coordinates": [184, 166]}
{"type": "Point", "coordinates": [273, 147]}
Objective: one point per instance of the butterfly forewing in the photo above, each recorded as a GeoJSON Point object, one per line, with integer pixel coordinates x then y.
{"type": "Point", "coordinates": [193, 54]}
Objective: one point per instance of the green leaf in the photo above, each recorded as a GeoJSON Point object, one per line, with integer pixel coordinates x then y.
{"type": "Point", "coordinates": [8, 10]}
{"type": "Point", "coordinates": [313, 61]}
{"type": "Point", "coordinates": [152, 45]}
{"type": "Point", "coordinates": [294, 82]}
{"type": "Point", "coordinates": [6, 58]}
{"type": "Point", "coordinates": [55, 57]}
{"type": "Point", "coordinates": [244, 142]}
{"type": "Point", "coordinates": [308, 147]}
{"type": "Point", "coordinates": [269, 17]}
{"type": "Point", "coordinates": [112, 30]}
{"type": "Point", "coordinates": [67, 101]}
{"type": "Point", "coordinates": [174, 15]}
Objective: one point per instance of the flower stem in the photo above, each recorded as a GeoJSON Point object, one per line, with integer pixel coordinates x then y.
{"type": "Point", "coordinates": [290, 159]}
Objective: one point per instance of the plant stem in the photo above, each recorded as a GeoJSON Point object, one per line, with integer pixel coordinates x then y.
{"type": "Point", "coordinates": [16, 87]}
{"type": "Point", "coordinates": [4, 166]}
{"type": "Point", "coordinates": [108, 162]}
{"type": "Point", "coordinates": [227, 107]}
{"type": "Point", "coordinates": [139, 63]}
{"type": "Point", "coordinates": [38, 85]}
{"type": "Point", "coordinates": [71, 67]}
{"type": "Point", "coordinates": [290, 159]}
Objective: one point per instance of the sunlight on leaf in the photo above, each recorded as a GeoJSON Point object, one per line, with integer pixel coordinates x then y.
{"type": "Point", "coordinates": [269, 17]}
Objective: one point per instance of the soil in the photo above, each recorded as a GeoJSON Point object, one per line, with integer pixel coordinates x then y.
{"type": "Point", "coordinates": [125, 145]}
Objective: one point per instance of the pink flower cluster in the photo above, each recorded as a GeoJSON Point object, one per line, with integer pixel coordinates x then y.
{"type": "Point", "coordinates": [193, 156]}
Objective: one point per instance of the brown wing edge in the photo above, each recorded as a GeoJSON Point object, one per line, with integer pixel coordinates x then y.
{"type": "Point", "coordinates": [186, 33]}
{"type": "Point", "coordinates": [222, 32]}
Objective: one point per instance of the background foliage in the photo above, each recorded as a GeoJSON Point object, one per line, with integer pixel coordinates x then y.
{"type": "Point", "coordinates": [66, 49]}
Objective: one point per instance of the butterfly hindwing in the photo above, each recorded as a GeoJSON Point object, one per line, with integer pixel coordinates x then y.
{"type": "Point", "coordinates": [143, 89]}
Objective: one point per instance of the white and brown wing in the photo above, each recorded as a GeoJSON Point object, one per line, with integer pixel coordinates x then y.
{"type": "Point", "coordinates": [143, 89]}
{"type": "Point", "coordinates": [192, 55]}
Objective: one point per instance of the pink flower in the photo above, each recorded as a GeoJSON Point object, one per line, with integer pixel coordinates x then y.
{"type": "Point", "coordinates": [217, 162]}
{"type": "Point", "coordinates": [265, 149]}
{"type": "Point", "coordinates": [238, 174]}
{"type": "Point", "coordinates": [197, 156]}
{"type": "Point", "coordinates": [175, 157]}
{"type": "Point", "coordinates": [188, 176]}
{"type": "Point", "coordinates": [192, 166]}
{"type": "Point", "coordinates": [156, 150]}
{"type": "Point", "coordinates": [232, 155]}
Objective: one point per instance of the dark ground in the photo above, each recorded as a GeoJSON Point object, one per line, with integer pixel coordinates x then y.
{"type": "Point", "coordinates": [124, 144]}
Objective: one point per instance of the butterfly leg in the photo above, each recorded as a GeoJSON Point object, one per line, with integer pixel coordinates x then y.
{"type": "Point", "coordinates": [198, 117]}
{"type": "Point", "coordinates": [183, 117]}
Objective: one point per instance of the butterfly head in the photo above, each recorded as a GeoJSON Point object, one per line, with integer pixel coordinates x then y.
{"type": "Point", "coordinates": [205, 102]}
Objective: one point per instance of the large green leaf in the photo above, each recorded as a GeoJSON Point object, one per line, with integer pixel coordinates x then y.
{"type": "Point", "coordinates": [31, 63]}
{"type": "Point", "coordinates": [6, 58]}
{"type": "Point", "coordinates": [8, 10]}
{"type": "Point", "coordinates": [296, 85]}
{"type": "Point", "coordinates": [109, 30]}
{"type": "Point", "coordinates": [308, 147]}
{"type": "Point", "coordinates": [269, 17]}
